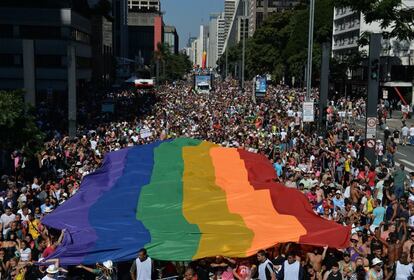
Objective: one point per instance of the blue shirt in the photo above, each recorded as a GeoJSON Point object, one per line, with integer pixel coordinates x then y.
{"type": "Point", "coordinates": [338, 202]}
{"type": "Point", "coordinates": [379, 214]}
{"type": "Point", "coordinates": [278, 167]}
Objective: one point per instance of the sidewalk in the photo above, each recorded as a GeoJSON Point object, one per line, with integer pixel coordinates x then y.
{"type": "Point", "coordinates": [395, 121]}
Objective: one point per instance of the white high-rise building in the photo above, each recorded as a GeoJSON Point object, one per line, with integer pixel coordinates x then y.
{"type": "Point", "coordinates": [221, 34]}
{"type": "Point", "coordinates": [216, 39]}
{"type": "Point", "coordinates": [397, 56]}
{"type": "Point", "coordinates": [349, 26]}
{"type": "Point", "coordinates": [229, 10]}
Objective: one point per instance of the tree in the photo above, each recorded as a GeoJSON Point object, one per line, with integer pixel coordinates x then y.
{"type": "Point", "coordinates": [279, 46]}
{"type": "Point", "coordinates": [18, 128]}
{"type": "Point", "coordinates": [390, 13]}
{"type": "Point", "coordinates": [172, 66]}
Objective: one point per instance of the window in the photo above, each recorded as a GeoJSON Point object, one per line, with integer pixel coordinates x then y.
{"type": "Point", "coordinates": [48, 61]}
{"type": "Point", "coordinates": [273, 3]}
{"type": "Point", "coordinates": [6, 31]}
{"type": "Point", "coordinates": [39, 32]}
{"type": "Point", "coordinates": [259, 4]}
{"type": "Point", "coordinates": [6, 60]}
{"type": "Point", "coordinates": [83, 62]}
{"type": "Point", "coordinates": [80, 36]}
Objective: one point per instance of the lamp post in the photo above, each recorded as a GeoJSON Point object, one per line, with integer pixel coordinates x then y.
{"type": "Point", "coordinates": [310, 49]}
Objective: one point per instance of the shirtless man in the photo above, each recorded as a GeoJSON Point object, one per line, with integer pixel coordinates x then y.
{"type": "Point", "coordinates": [395, 246]}
{"type": "Point", "coordinates": [315, 258]}
{"type": "Point", "coordinates": [408, 244]}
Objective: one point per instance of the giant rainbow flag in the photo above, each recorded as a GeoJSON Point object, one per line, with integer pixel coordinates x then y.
{"type": "Point", "coordinates": [185, 199]}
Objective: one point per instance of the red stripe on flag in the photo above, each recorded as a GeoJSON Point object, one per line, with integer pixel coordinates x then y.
{"type": "Point", "coordinates": [320, 232]}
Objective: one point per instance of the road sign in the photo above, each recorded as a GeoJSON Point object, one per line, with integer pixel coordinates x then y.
{"type": "Point", "coordinates": [371, 127]}
{"type": "Point", "coordinates": [385, 94]}
{"type": "Point", "coordinates": [308, 112]}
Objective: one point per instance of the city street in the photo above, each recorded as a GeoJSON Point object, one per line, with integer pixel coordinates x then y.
{"type": "Point", "coordinates": [188, 140]}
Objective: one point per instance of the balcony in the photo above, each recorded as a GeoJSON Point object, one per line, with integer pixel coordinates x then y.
{"type": "Point", "coordinates": [346, 29]}
{"type": "Point", "coordinates": [347, 12]}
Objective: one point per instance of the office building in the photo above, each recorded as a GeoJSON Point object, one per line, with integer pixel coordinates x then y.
{"type": "Point", "coordinates": [120, 28]}
{"type": "Point", "coordinates": [171, 38]}
{"type": "Point", "coordinates": [397, 56]}
{"type": "Point", "coordinates": [259, 11]}
{"type": "Point", "coordinates": [229, 10]}
{"type": "Point", "coordinates": [145, 28]}
{"type": "Point", "coordinates": [238, 21]}
{"type": "Point", "coordinates": [43, 47]}
{"type": "Point", "coordinates": [213, 40]}
{"type": "Point", "coordinates": [153, 6]}
{"type": "Point", "coordinates": [102, 47]}
{"type": "Point", "coordinates": [221, 26]}
{"type": "Point", "coordinates": [202, 44]}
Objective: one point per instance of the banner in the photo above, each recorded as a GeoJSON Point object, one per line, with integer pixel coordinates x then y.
{"type": "Point", "coordinates": [308, 112]}
{"type": "Point", "coordinates": [261, 86]}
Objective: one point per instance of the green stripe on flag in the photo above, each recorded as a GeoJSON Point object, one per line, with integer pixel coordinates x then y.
{"type": "Point", "coordinates": [160, 205]}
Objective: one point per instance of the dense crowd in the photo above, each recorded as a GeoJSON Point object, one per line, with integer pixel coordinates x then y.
{"type": "Point", "coordinates": [331, 171]}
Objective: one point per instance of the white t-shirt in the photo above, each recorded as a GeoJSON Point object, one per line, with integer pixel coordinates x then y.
{"type": "Point", "coordinates": [262, 269]}
{"type": "Point", "coordinates": [24, 254]}
{"type": "Point", "coordinates": [144, 269]}
{"type": "Point", "coordinates": [6, 220]}
{"type": "Point", "coordinates": [404, 131]}
{"type": "Point", "coordinates": [291, 271]}
{"type": "Point", "coordinates": [380, 187]}
{"type": "Point", "coordinates": [412, 131]}
{"type": "Point", "coordinates": [403, 271]}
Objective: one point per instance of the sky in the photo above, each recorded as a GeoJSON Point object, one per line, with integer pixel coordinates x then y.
{"type": "Point", "coordinates": [188, 15]}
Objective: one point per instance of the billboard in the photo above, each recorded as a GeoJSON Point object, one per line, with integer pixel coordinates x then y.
{"type": "Point", "coordinates": [260, 86]}
{"type": "Point", "coordinates": [202, 79]}
{"type": "Point", "coordinates": [308, 111]}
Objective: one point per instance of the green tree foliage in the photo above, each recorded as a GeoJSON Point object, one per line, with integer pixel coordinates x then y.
{"type": "Point", "coordinates": [390, 13]}
{"type": "Point", "coordinates": [172, 66]}
{"type": "Point", "coordinates": [18, 129]}
{"type": "Point", "coordinates": [279, 46]}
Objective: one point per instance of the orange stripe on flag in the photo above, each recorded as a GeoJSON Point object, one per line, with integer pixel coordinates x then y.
{"type": "Point", "coordinates": [255, 206]}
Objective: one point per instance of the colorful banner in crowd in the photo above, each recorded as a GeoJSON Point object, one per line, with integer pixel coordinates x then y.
{"type": "Point", "coordinates": [185, 199]}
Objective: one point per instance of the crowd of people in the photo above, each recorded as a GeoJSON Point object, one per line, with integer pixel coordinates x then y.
{"type": "Point", "coordinates": [377, 202]}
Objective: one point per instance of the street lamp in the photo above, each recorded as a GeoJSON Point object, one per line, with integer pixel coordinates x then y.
{"type": "Point", "coordinates": [310, 49]}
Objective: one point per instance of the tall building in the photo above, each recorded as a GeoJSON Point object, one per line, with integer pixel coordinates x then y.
{"type": "Point", "coordinates": [171, 38]}
{"type": "Point", "coordinates": [102, 47]}
{"type": "Point", "coordinates": [202, 44]}
{"type": "Point", "coordinates": [213, 51]}
{"type": "Point", "coordinates": [259, 10]}
{"type": "Point", "coordinates": [145, 28]}
{"type": "Point", "coordinates": [229, 10]}
{"type": "Point", "coordinates": [39, 45]}
{"type": "Point", "coordinates": [397, 56]}
{"type": "Point", "coordinates": [144, 5]}
{"type": "Point", "coordinates": [238, 21]}
{"type": "Point", "coordinates": [349, 26]}
{"type": "Point", "coordinates": [120, 28]}
{"type": "Point", "coordinates": [221, 30]}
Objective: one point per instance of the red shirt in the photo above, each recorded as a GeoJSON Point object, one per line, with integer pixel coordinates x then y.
{"type": "Point", "coordinates": [48, 251]}
{"type": "Point", "coordinates": [371, 178]}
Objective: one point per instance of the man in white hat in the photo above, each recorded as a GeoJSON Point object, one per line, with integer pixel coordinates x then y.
{"type": "Point", "coordinates": [376, 271]}
{"type": "Point", "coordinates": [52, 271]}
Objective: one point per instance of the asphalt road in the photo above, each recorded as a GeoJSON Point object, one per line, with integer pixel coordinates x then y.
{"type": "Point", "coordinates": [405, 154]}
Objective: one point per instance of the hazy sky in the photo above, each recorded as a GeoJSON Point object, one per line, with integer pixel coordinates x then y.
{"type": "Point", "coordinates": [188, 15]}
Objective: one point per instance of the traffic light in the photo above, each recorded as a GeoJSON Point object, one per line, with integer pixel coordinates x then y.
{"type": "Point", "coordinates": [375, 69]}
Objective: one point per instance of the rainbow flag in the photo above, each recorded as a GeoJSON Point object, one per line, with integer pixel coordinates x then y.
{"type": "Point", "coordinates": [185, 199]}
